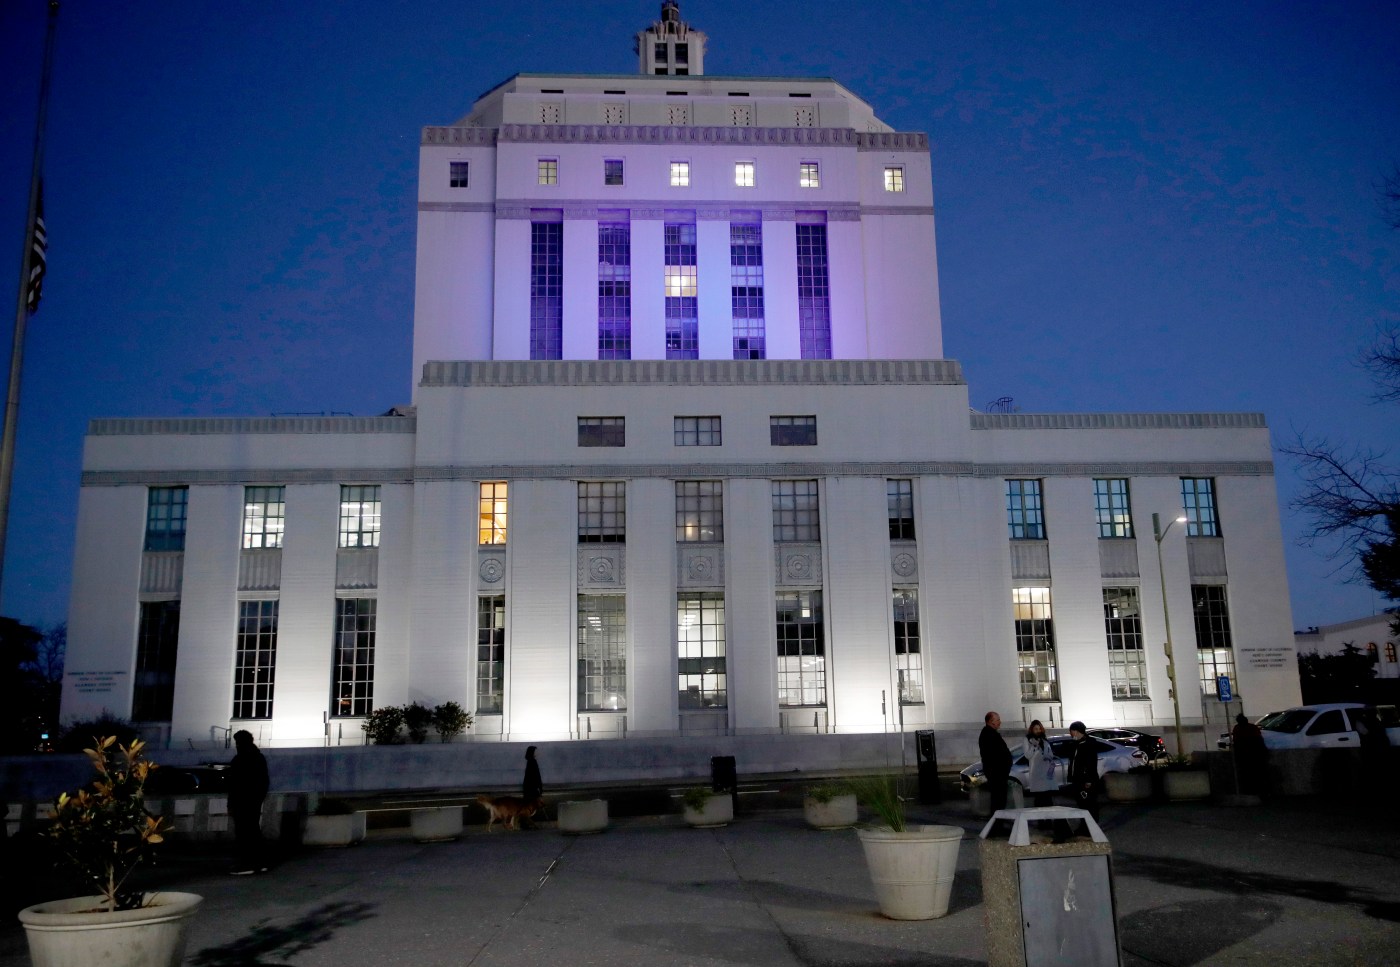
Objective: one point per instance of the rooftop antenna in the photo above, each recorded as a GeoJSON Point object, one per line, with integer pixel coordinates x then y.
{"type": "Point", "coordinates": [1002, 404]}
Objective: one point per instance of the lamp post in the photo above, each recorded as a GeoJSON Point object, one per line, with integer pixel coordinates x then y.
{"type": "Point", "coordinates": [1158, 534]}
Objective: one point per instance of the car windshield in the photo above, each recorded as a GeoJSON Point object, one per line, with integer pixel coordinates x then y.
{"type": "Point", "coordinates": [1290, 721]}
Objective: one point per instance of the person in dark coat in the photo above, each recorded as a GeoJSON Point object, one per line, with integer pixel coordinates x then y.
{"type": "Point", "coordinates": [1251, 755]}
{"type": "Point", "coordinates": [247, 788]}
{"type": "Point", "coordinates": [1082, 776]}
{"type": "Point", "coordinates": [532, 787]}
{"type": "Point", "coordinates": [996, 759]}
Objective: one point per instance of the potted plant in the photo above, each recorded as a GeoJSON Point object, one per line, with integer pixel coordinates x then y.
{"type": "Point", "coordinates": [1183, 779]}
{"type": "Point", "coordinates": [911, 867]}
{"type": "Point", "coordinates": [705, 808]}
{"type": "Point", "coordinates": [1135, 785]}
{"type": "Point", "coordinates": [829, 806]}
{"type": "Point", "coordinates": [101, 834]}
{"type": "Point", "coordinates": [450, 720]}
{"type": "Point", "coordinates": [334, 822]}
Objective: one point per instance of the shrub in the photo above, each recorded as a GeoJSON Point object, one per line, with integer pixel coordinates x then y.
{"type": "Point", "coordinates": [80, 734]}
{"type": "Point", "coordinates": [826, 792]}
{"type": "Point", "coordinates": [450, 720]}
{"type": "Point", "coordinates": [696, 797]}
{"type": "Point", "coordinates": [417, 718]}
{"type": "Point", "coordinates": [382, 725]}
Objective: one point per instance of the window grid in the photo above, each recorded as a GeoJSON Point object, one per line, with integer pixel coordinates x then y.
{"type": "Point", "coordinates": [353, 687]}
{"type": "Point", "coordinates": [612, 171]}
{"type": "Point", "coordinates": [490, 652]}
{"type": "Point", "coordinates": [697, 431]}
{"type": "Point", "coordinates": [1215, 653]}
{"type": "Point", "coordinates": [680, 174]}
{"type": "Point", "coordinates": [457, 174]}
{"type": "Point", "coordinates": [546, 290]}
{"type": "Point", "coordinates": [1035, 644]}
{"type": "Point", "coordinates": [699, 511]}
{"type": "Point", "coordinates": [743, 174]}
{"type": "Point", "coordinates": [359, 515]}
{"type": "Point", "coordinates": [255, 660]}
{"type": "Point", "coordinates": [682, 312]}
{"type": "Point", "coordinates": [602, 512]}
{"type": "Point", "coordinates": [602, 431]}
{"type": "Point", "coordinates": [157, 637]}
{"type": "Point", "coordinates": [1025, 516]}
{"type": "Point", "coordinates": [809, 175]}
{"type": "Point", "coordinates": [264, 516]}
{"type": "Point", "coordinates": [492, 512]}
{"type": "Point", "coordinates": [899, 506]}
{"type": "Point", "coordinates": [1390, 651]}
{"type": "Point", "coordinates": [792, 431]}
{"type": "Point", "coordinates": [1113, 508]}
{"type": "Point", "coordinates": [1127, 661]}
{"type": "Point", "coordinates": [1198, 501]}
{"type": "Point", "coordinates": [801, 649]}
{"type": "Point", "coordinates": [602, 652]}
{"type": "Point", "coordinates": [796, 511]}
{"type": "Point", "coordinates": [614, 290]}
{"type": "Point", "coordinates": [813, 293]}
{"type": "Point", "coordinates": [166, 509]}
{"type": "Point", "coordinates": [908, 660]}
{"type": "Point", "coordinates": [746, 290]}
{"type": "Point", "coordinates": [547, 171]}
{"type": "Point", "coordinates": [894, 178]}
{"type": "Point", "coordinates": [702, 681]}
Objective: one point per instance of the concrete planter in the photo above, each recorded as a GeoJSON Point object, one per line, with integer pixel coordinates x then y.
{"type": "Point", "coordinates": [62, 933]}
{"type": "Point", "coordinates": [912, 871]}
{"type": "Point", "coordinates": [1186, 784]}
{"type": "Point", "coordinates": [338, 830]}
{"type": "Point", "coordinates": [838, 812]}
{"type": "Point", "coordinates": [439, 824]}
{"type": "Point", "coordinates": [717, 811]}
{"type": "Point", "coordinates": [583, 816]}
{"type": "Point", "coordinates": [1127, 786]}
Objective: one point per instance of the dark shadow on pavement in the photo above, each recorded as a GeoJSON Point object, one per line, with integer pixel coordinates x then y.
{"type": "Point", "coordinates": [284, 940]}
{"type": "Point", "coordinates": [753, 947]}
{"type": "Point", "coordinates": [1173, 934]}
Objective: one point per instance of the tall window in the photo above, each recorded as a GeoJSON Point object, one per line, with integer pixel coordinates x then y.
{"type": "Point", "coordinates": [743, 174]}
{"type": "Point", "coordinates": [1025, 517]}
{"type": "Point", "coordinates": [1198, 501]}
{"type": "Point", "coordinates": [602, 512]}
{"type": "Point", "coordinates": [602, 431]}
{"type": "Point", "coordinates": [813, 293]}
{"type": "Point", "coordinates": [490, 652]}
{"type": "Point", "coordinates": [1035, 644]}
{"type": "Point", "coordinates": [1215, 652]}
{"type": "Point", "coordinates": [746, 289]}
{"type": "Point", "coordinates": [699, 511]}
{"type": "Point", "coordinates": [682, 312]}
{"type": "Point", "coordinates": [614, 290]}
{"type": "Point", "coordinates": [792, 431]}
{"type": "Point", "coordinates": [255, 660]}
{"type": "Point", "coordinates": [546, 290]}
{"type": "Point", "coordinates": [796, 514]}
{"type": "Point", "coordinates": [801, 649]}
{"type": "Point", "coordinates": [680, 174]}
{"type": "Point", "coordinates": [491, 517]}
{"type": "Point", "coordinates": [352, 689]}
{"type": "Point", "coordinates": [165, 518]}
{"type": "Point", "coordinates": [697, 431]}
{"type": "Point", "coordinates": [157, 635]}
{"type": "Point", "coordinates": [602, 652]}
{"type": "Point", "coordinates": [547, 171]}
{"type": "Point", "coordinates": [899, 505]}
{"type": "Point", "coordinates": [1390, 652]}
{"type": "Point", "coordinates": [1127, 662]}
{"type": "Point", "coordinates": [1112, 507]}
{"type": "Point", "coordinates": [264, 516]}
{"type": "Point", "coordinates": [894, 178]}
{"type": "Point", "coordinates": [359, 516]}
{"type": "Point", "coordinates": [908, 662]}
{"type": "Point", "coordinates": [612, 171]}
{"type": "Point", "coordinates": [809, 175]}
{"type": "Point", "coordinates": [701, 679]}
{"type": "Point", "coordinates": [457, 174]}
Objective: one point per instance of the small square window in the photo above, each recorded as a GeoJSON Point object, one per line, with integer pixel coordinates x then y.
{"type": "Point", "coordinates": [792, 431]}
{"type": "Point", "coordinates": [612, 171]}
{"type": "Point", "coordinates": [602, 431]}
{"type": "Point", "coordinates": [697, 431]}
{"type": "Point", "coordinates": [743, 174]}
{"type": "Point", "coordinates": [894, 178]}
{"type": "Point", "coordinates": [809, 176]}
{"type": "Point", "coordinates": [457, 176]}
{"type": "Point", "coordinates": [549, 171]}
{"type": "Point", "coordinates": [680, 174]}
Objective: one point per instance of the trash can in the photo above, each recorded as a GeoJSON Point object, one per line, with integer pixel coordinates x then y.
{"type": "Point", "coordinates": [724, 777]}
{"type": "Point", "coordinates": [926, 750]}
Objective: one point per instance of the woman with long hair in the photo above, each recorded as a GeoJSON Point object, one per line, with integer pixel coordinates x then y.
{"type": "Point", "coordinates": [1040, 755]}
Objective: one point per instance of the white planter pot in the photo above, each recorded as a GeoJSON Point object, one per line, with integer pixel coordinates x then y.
{"type": "Point", "coordinates": [439, 824]}
{"type": "Point", "coordinates": [838, 812]}
{"type": "Point", "coordinates": [63, 933]}
{"type": "Point", "coordinates": [717, 811]}
{"type": "Point", "coordinates": [1127, 786]}
{"type": "Point", "coordinates": [1186, 784]}
{"type": "Point", "coordinates": [334, 830]}
{"type": "Point", "coordinates": [913, 870]}
{"type": "Point", "coordinates": [583, 816]}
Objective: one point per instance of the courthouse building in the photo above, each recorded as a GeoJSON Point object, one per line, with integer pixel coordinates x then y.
{"type": "Point", "coordinates": [684, 457]}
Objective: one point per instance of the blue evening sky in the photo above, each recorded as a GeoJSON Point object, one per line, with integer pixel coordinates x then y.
{"type": "Point", "coordinates": [1141, 207]}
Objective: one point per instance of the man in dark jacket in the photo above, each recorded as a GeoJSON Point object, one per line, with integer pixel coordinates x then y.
{"type": "Point", "coordinates": [996, 759]}
{"type": "Point", "coordinates": [247, 788]}
{"type": "Point", "coordinates": [1083, 772]}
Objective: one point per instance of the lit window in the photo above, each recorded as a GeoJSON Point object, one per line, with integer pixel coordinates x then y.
{"type": "Point", "coordinates": [1127, 661]}
{"type": "Point", "coordinates": [808, 175]}
{"type": "Point", "coordinates": [894, 178]}
{"type": "Point", "coordinates": [612, 171]}
{"type": "Point", "coordinates": [746, 289]}
{"type": "Point", "coordinates": [264, 516]}
{"type": "Point", "coordinates": [352, 687]}
{"type": "Point", "coordinates": [614, 290]}
{"type": "Point", "coordinates": [548, 171]}
{"type": "Point", "coordinates": [1112, 507]}
{"type": "Point", "coordinates": [801, 649]}
{"type": "Point", "coordinates": [680, 281]}
{"type": "Point", "coordinates": [796, 511]}
{"type": "Point", "coordinates": [255, 661]}
{"type": "Point", "coordinates": [699, 511]}
{"type": "Point", "coordinates": [602, 652]}
{"type": "Point", "coordinates": [491, 528]}
{"type": "Point", "coordinates": [792, 431]}
{"type": "Point", "coordinates": [1198, 500]}
{"type": "Point", "coordinates": [743, 174]}
{"type": "Point", "coordinates": [681, 306]}
{"type": "Point", "coordinates": [490, 652]}
{"type": "Point", "coordinates": [908, 661]}
{"type": "Point", "coordinates": [701, 677]}
{"type": "Point", "coordinates": [1215, 653]}
{"type": "Point", "coordinates": [1025, 517]}
{"type": "Point", "coordinates": [165, 518]}
{"type": "Point", "coordinates": [680, 174]}
{"type": "Point", "coordinates": [1035, 644]}
{"type": "Point", "coordinates": [359, 516]}
{"type": "Point", "coordinates": [457, 175]}
{"type": "Point", "coordinates": [697, 431]}
{"type": "Point", "coordinates": [602, 512]}
{"type": "Point", "coordinates": [1390, 652]}
{"type": "Point", "coordinates": [602, 431]}
{"type": "Point", "coordinates": [546, 290]}
{"type": "Point", "coordinates": [899, 506]}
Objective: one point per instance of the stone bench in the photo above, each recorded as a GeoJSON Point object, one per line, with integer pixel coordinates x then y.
{"type": "Point", "coordinates": [436, 824]}
{"type": "Point", "coordinates": [583, 816]}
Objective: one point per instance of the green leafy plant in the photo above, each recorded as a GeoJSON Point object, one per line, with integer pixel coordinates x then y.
{"type": "Point", "coordinates": [450, 720]}
{"type": "Point", "coordinates": [880, 794]}
{"type": "Point", "coordinates": [102, 833]}
{"type": "Point", "coordinates": [696, 797]}
{"type": "Point", "coordinates": [383, 724]}
{"type": "Point", "coordinates": [417, 718]}
{"type": "Point", "coordinates": [825, 792]}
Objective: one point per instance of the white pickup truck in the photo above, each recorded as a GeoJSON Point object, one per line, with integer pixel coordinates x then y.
{"type": "Point", "coordinates": [1330, 726]}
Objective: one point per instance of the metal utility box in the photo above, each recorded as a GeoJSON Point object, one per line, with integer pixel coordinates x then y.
{"type": "Point", "coordinates": [926, 749]}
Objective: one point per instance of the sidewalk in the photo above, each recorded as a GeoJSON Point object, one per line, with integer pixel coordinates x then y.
{"type": "Point", "coordinates": [1293, 882]}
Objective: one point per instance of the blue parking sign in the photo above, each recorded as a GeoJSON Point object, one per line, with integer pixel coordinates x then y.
{"type": "Point", "coordinates": [1222, 688]}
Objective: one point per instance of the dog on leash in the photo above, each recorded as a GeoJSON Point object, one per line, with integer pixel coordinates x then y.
{"type": "Point", "coordinates": [509, 810]}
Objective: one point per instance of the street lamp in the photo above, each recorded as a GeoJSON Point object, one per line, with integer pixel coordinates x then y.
{"type": "Point", "coordinates": [1158, 534]}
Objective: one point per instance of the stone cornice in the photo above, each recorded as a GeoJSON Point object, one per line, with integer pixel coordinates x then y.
{"type": "Point", "coordinates": [675, 134]}
{"type": "Point", "coordinates": [711, 372]}
{"type": "Point", "coordinates": [207, 426]}
{"type": "Point", "coordinates": [1118, 421]}
{"type": "Point", "coordinates": [520, 209]}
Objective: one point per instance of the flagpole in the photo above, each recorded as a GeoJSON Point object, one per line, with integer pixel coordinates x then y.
{"type": "Point", "coordinates": [7, 445]}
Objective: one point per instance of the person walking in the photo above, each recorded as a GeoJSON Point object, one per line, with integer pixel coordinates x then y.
{"type": "Point", "coordinates": [1083, 772]}
{"type": "Point", "coordinates": [1040, 756]}
{"type": "Point", "coordinates": [532, 787]}
{"type": "Point", "coordinates": [996, 759]}
{"type": "Point", "coordinates": [247, 788]}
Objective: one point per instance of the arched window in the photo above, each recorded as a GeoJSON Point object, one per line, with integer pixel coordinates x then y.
{"type": "Point", "coordinates": [1390, 651]}
{"type": "Point", "coordinates": [1371, 652]}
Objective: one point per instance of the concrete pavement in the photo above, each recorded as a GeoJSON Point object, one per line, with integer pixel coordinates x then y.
{"type": "Point", "coordinates": [1291, 882]}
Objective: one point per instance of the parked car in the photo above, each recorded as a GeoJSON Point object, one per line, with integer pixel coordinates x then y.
{"type": "Point", "coordinates": [1113, 757]}
{"type": "Point", "coordinates": [1328, 726]}
{"type": "Point", "coordinates": [1151, 745]}
{"type": "Point", "coordinates": [178, 780]}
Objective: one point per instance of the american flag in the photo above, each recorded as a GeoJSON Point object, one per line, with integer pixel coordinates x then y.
{"type": "Point", "coordinates": [38, 256]}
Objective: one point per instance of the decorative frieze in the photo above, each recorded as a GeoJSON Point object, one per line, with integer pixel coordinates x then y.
{"type": "Point", "coordinates": [693, 372]}
{"type": "Point", "coordinates": [602, 567]}
{"type": "Point", "coordinates": [904, 562]}
{"type": "Point", "coordinates": [491, 569]}
{"type": "Point", "coordinates": [700, 566]}
{"type": "Point", "coordinates": [260, 569]}
{"type": "Point", "coordinates": [357, 568]}
{"type": "Point", "coordinates": [1118, 421]}
{"type": "Point", "coordinates": [206, 426]}
{"type": "Point", "coordinates": [736, 133]}
{"type": "Point", "coordinates": [799, 565]}
{"type": "Point", "coordinates": [1030, 560]}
